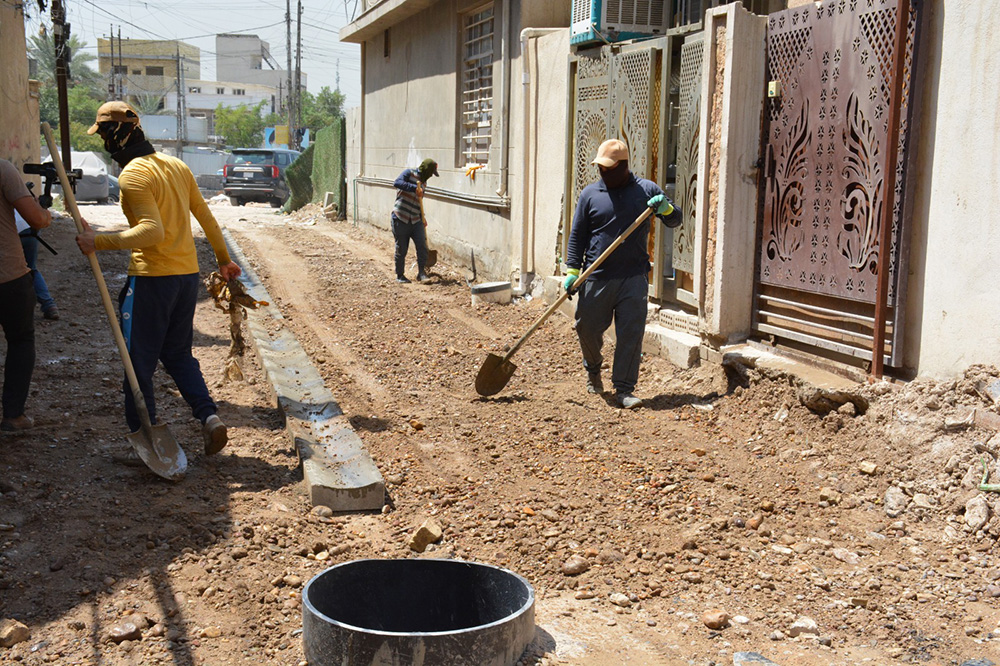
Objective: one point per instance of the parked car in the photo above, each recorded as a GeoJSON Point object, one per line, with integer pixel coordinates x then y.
{"type": "Point", "coordinates": [257, 174]}
{"type": "Point", "coordinates": [93, 186]}
{"type": "Point", "coordinates": [114, 191]}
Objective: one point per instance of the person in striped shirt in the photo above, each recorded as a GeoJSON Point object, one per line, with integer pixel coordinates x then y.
{"type": "Point", "coordinates": [407, 217]}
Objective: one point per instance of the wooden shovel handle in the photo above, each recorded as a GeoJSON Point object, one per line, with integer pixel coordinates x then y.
{"type": "Point", "coordinates": [109, 307]}
{"type": "Point", "coordinates": [583, 276]}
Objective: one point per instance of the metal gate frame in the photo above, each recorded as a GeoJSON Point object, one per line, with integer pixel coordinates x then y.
{"type": "Point", "coordinates": [805, 183]}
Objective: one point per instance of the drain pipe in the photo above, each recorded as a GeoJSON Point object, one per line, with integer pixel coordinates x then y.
{"type": "Point", "coordinates": [526, 34]}
{"type": "Point", "coordinates": [361, 134]}
{"type": "Point", "coordinates": [504, 98]}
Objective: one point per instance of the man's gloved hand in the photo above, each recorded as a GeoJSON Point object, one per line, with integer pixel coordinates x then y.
{"type": "Point", "coordinates": [660, 205]}
{"type": "Point", "coordinates": [571, 276]}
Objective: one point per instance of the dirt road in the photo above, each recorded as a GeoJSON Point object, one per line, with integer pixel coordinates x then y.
{"type": "Point", "coordinates": [720, 494]}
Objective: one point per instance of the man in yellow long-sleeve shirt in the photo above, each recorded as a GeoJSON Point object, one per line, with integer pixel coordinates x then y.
{"type": "Point", "coordinates": [157, 303]}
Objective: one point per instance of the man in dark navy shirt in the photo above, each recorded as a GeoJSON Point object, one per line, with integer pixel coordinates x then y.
{"type": "Point", "coordinates": [617, 288]}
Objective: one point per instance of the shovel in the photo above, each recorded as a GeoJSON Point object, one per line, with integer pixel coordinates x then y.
{"type": "Point", "coordinates": [432, 255]}
{"type": "Point", "coordinates": [154, 443]}
{"type": "Point", "coordinates": [496, 371]}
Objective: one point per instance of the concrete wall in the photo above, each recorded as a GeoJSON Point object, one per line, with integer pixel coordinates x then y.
{"type": "Point", "coordinates": [19, 131]}
{"type": "Point", "coordinates": [411, 112]}
{"type": "Point", "coordinates": [952, 318]}
{"type": "Point", "coordinates": [239, 58]}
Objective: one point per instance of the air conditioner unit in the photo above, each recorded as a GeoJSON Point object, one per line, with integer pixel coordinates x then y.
{"type": "Point", "coordinates": [617, 20]}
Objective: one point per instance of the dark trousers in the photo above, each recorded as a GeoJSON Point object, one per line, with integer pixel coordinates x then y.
{"type": "Point", "coordinates": [17, 310]}
{"type": "Point", "coordinates": [623, 300]}
{"type": "Point", "coordinates": [403, 232]}
{"type": "Point", "coordinates": [157, 317]}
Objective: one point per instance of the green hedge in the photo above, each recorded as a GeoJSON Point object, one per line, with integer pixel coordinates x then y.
{"type": "Point", "coordinates": [328, 165]}
{"type": "Point", "coordinates": [299, 179]}
{"type": "Point", "coordinates": [320, 169]}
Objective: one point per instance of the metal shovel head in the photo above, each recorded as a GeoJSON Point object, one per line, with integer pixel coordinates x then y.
{"type": "Point", "coordinates": [432, 258]}
{"type": "Point", "coordinates": [157, 448]}
{"type": "Point", "coordinates": [494, 375]}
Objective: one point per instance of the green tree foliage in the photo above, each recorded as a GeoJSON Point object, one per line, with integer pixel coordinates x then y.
{"type": "Point", "coordinates": [241, 126]}
{"type": "Point", "coordinates": [43, 49]}
{"type": "Point", "coordinates": [84, 91]}
{"type": "Point", "coordinates": [319, 111]}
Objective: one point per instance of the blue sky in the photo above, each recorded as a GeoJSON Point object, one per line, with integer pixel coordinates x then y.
{"type": "Point", "coordinates": [197, 21]}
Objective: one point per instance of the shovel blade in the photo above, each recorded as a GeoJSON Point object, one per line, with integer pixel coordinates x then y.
{"type": "Point", "coordinates": [432, 258]}
{"type": "Point", "coordinates": [162, 454]}
{"type": "Point", "coordinates": [494, 375]}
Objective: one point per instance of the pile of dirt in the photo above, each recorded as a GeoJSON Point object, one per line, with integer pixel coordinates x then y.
{"type": "Point", "coordinates": [845, 535]}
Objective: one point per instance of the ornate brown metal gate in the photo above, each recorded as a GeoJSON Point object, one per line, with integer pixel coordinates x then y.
{"type": "Point", "coordinates": [825, 148]}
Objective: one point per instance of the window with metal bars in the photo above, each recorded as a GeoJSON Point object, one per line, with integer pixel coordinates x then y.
{"type": "Point", "coordinates": [477, 85]}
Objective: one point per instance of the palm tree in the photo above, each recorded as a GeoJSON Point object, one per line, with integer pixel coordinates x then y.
{"type": "Point", "coordinates": [43, 50]}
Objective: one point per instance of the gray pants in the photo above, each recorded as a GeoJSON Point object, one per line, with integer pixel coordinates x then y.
{"type": "Point", "coordinates": [624, 300]}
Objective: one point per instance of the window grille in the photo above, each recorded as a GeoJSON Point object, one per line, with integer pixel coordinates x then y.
{"type": "Point", "coordinates": [239, 91]}
{"type": "Point", "coordinates": [220, 91]}
{"type": "Point", "coordinates": [477, 85]}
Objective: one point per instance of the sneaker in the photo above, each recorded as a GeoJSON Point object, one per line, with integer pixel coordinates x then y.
{"type": "Point", "coordinates": [423, 277]}
{"type": "Point", "coordinates": [215, 434]}
{"type": "Point", "coordinates": [18, 424]}
{"type": "Point", "coordinates": [402, 279]}
{"type": "Point", "coordinates": [628, 401]}
{"type": "Point", "coordinates": [52, 313]}
{"type": "Point", "coordinates": [594, 383]}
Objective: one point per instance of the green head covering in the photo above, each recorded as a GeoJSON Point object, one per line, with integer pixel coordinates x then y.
{"type": "Point", "coordinates": [427, 169]}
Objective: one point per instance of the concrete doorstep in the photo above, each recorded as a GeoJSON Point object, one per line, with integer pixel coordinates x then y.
{"type": "Point", "coordinates": [337, 468]}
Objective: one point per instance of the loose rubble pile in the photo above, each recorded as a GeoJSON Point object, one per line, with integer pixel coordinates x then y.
{"type": "Point", "coordinates": [738, 516]}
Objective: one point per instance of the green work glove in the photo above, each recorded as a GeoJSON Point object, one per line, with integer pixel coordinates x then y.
{"type": "Point", "coordinates": [571, 276]}
{"type": "Point", "coordinates": [661, 205]}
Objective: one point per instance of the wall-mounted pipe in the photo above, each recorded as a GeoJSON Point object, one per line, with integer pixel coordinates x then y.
{"type": "Point", "coordinates": [504, 98]}
{"type": "Point", "coordinates": [526, 34]}
{"type": "Point", "coordinates": [447, 195]}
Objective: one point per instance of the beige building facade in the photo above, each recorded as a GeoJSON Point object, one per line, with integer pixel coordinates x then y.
{"type": "Point", "coordinates": [419, 57]}
{"type": "Point", "coordinates": [19, 131]}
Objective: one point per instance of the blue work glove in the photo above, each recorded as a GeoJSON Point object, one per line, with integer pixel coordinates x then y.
{"type": "Point", "coordinates": [660, 205]}
{"type": "Point", "coordinates": [571, 276]}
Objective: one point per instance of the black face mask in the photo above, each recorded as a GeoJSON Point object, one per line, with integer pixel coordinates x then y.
{"type": "Point", "coordinates": [616, 176]}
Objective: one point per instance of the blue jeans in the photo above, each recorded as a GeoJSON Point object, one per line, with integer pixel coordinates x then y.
{"type": "Point", "coordinates": [30, 246]}
{"type": "Point", "coordinates": [403, 232]}
{"type": "Point", "coordinates": [157, 318]}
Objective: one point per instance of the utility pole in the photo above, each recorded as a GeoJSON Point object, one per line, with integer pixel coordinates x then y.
{"type": "Point", "coordinates": [113, 81]}
{"type": "Point", "coordinates": [121, 67]}
{"type": "Point", "coordinates": [298, 79]}
{"type": "Point", "coordinates": [288, 53]}
{"type": "Point", "coordinates": [60, 34]}
{"type": "Point", "coordinates": [180, 105]}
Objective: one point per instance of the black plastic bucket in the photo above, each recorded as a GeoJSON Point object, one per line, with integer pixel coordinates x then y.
{"type": "Point", "coordinates": [416, 613]}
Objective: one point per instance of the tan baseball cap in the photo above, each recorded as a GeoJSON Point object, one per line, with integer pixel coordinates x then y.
{"type": "Point", "coordinates": [116, 111]}
{"type": "Point", "coordinates": [611, 152]}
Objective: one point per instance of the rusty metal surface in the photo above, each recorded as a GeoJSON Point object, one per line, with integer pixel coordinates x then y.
{"type": "Point", "coordinates": [825, 149]}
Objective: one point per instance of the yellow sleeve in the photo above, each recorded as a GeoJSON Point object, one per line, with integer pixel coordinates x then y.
{"type": "Point", "coordinates": [139, 205]}
{"type": "Point", "coordinates": [208, 223]}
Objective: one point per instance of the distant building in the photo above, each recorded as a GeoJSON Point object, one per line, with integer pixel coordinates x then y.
{"type": "Point", "coordinates": [248, 59]}
{"type": "Point", "coordinates": [146, 67]}
{"type": "Point", "coordinates": [202, 98]}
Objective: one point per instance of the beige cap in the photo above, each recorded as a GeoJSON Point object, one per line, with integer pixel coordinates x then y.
{"type": "Point", "coordinates": [610, 153]}
{"type": "Point", "coordinates": [116, 111]}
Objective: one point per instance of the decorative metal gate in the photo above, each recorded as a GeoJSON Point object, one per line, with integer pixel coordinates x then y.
{"type": "Point", "coordinates": [689, 134]}
{"type": "Point", "coordinates": [615, 94]}
{"type": "Point", "coordinates": [827, 134]}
